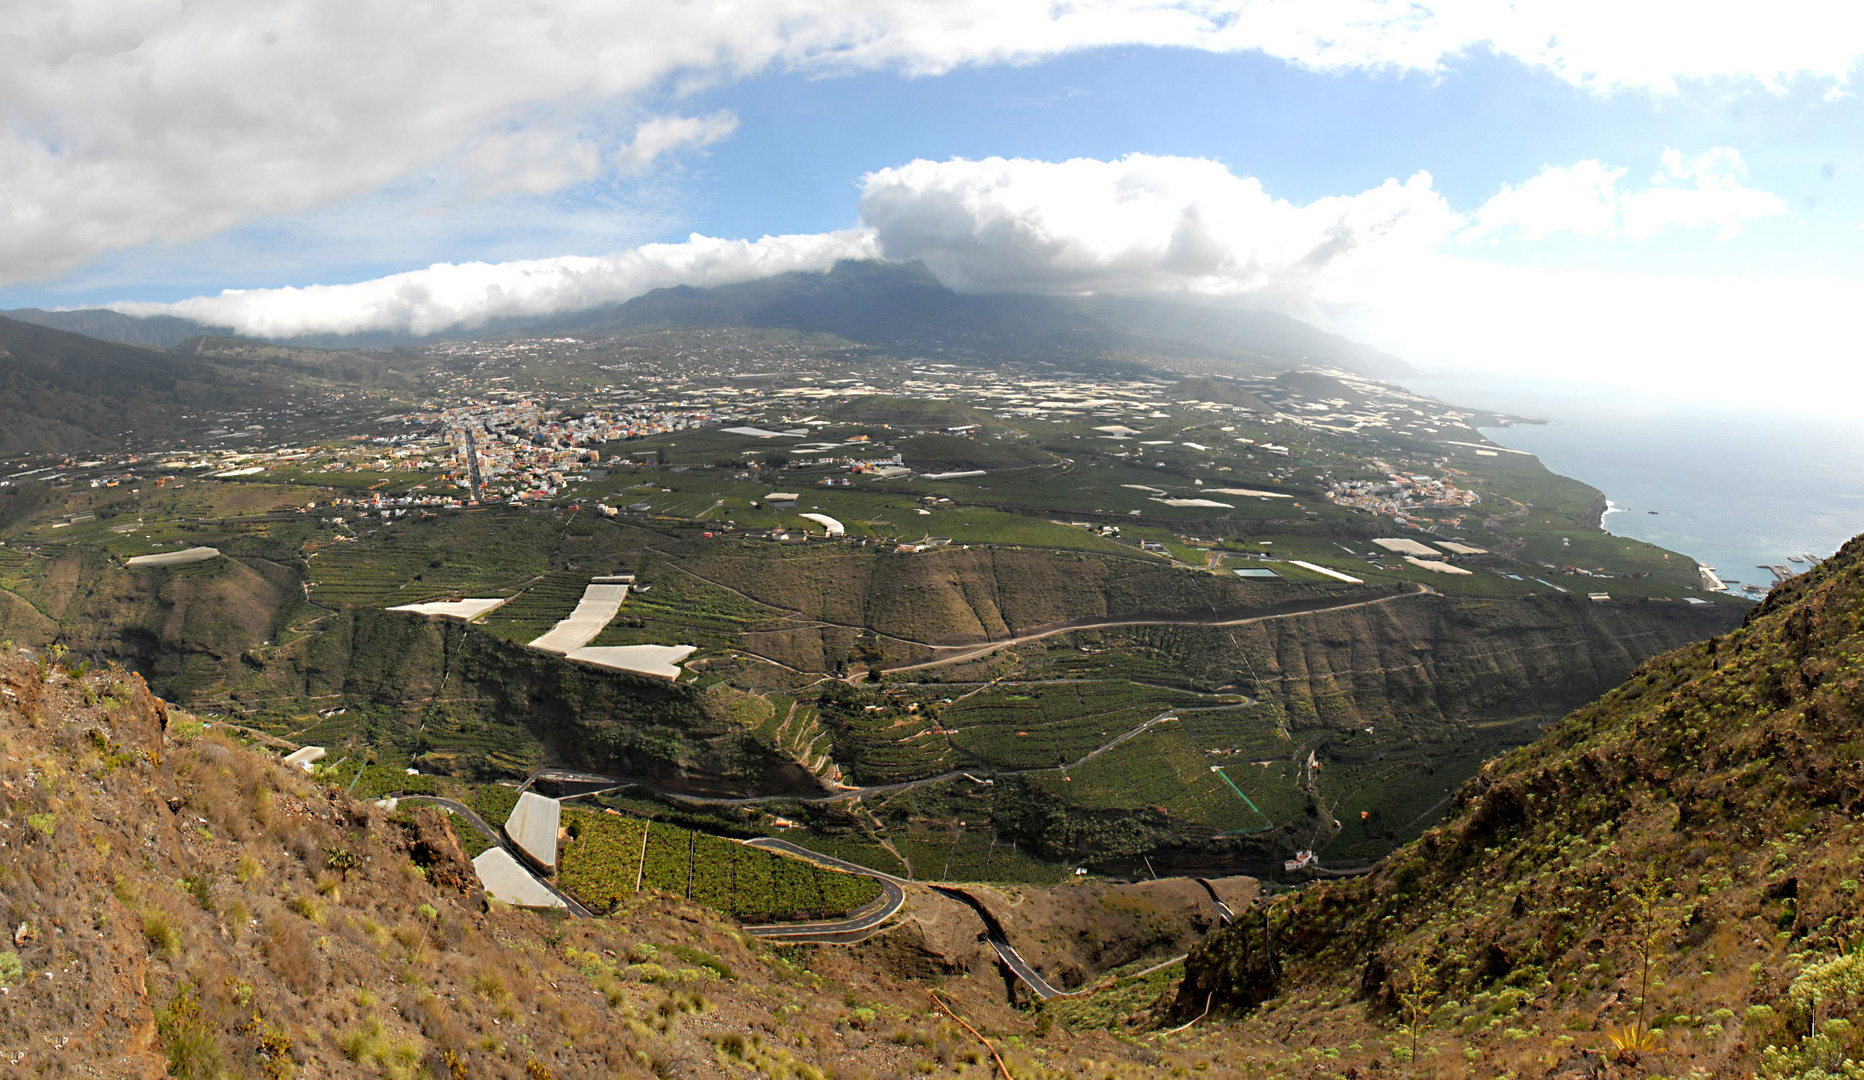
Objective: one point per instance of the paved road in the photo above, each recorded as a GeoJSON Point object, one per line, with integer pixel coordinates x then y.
{"type": "Point", "coordinates": [1224, 913]}
{"type": "Point", "coordinates": [1006, 952]}
{"type": "Point", "coordinates": [962, 653]}
{"type": "Point", "coordinates": [857, 927]}
{"type": "Point", "coordinates": [498, 840]}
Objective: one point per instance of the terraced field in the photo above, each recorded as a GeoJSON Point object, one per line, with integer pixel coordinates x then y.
{"type": "Point", "coordinates": [974, 855]}
{"type": "Point", "coordinates": [883, 743]}
{"type": "Point", "coordinates": [483, 554]}
{"type": "Point", "coordinates": [1052, 724]}
{"type": "Point", "coordinates": [538, 607]}
{"type": "Point", "coordinates": [1164, 771]}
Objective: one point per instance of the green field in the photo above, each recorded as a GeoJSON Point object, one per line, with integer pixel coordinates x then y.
{"type": "Point", "coordinates": [606, 858]}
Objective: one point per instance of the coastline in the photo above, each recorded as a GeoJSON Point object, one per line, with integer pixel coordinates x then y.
{"type": "Point", "coordinates": [1740, 491]}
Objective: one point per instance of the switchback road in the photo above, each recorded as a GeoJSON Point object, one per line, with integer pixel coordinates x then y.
{"type": "Point", "coordinates": [857, 927]}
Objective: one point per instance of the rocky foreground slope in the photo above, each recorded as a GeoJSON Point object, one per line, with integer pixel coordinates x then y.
{"type": "Point", "coordinates": [176, 903]}
{"type": "Point", "coordinates": [1666, 882]}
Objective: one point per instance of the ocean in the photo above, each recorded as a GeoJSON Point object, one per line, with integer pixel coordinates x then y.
{"type": "Point", "coordinates": [1735, 488]}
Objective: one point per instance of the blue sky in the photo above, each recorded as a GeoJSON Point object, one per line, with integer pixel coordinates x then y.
{"type": "Point", "coordinates": [1382, 135]}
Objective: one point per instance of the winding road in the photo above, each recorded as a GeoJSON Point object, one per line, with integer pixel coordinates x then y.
{"type": "Point", "coordinates": [857, 927]}
{"type": "Point", "coordinates": [962, 653]}
{"type": "Point", "coordinates": [1006, 952]}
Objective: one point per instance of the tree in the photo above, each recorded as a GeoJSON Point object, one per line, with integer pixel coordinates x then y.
{"type": "Point", "coordinates": [1645, 925]}
{"type": "Point", "coordinates": [1416, 1000]}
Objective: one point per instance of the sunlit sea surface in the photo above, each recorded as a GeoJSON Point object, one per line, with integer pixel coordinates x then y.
{"type": "Point", "coordinates": [1734, 488]}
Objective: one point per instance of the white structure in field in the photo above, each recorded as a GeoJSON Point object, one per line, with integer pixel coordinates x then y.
{"type": "Point", "coordinates": [176, 558]}
{"type": "Point", "coordinates": [1438, 565]}
{"type": "Point", "coordinates": [600, 602]}
{"type": "Point", "coordinates": [305, 756]}
{"type": "Point", "coordinates": [532, 829]}
{"type": "Point", "coordinates": [510, 883]}
{"type": "Point", "coordinates": [1334, 574]}
{"type": "Point", "coordinates": [1455, 548]}
{"type": "Point", "coordinates": [658, 661]}
{"type": "Point", "coordinates": [833, 527]}
{"type": "Point", "coordinates": [464, 610]}
{"type": "Point", "coordinates": [1403, 546]}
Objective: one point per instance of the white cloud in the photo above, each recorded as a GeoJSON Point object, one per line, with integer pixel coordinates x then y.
{"type": "Point", "coordinates": [1584, 198]}
{"type": "Point", "coordinates": [131, 122]}
{"type": "Point", "coordinates": [1139, 224]}
{"type": "Point", "coordinates": [1142, 224]}
{"type": "Point", "coordinates": [474, 294]}
{"type": "Point", "coordinates": [1697, 192]}
{"type": "Point", "coordinates": [1580, 198]}
{"type": "Point", "coordinates": [664, 133]}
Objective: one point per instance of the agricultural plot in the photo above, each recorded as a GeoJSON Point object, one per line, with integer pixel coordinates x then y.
{"type": "Point", "coordinates": [849, 849]}
{"type": "Point", "coordinates": [683, 599]}
{"type": "Point", "coordinates": [602, 863]}
{"type": "Point", "coordinates": [1382, 801]}
{"type": "Point", "coordinates": [538, 607]}
{"type": "Point", "coordinates": [481, 554]}
{"type": "Point", "coordinates": [975, 854]}
{"type": "Point", "coordinates": [1245, 733]}
{"type": "Point", "coordinates": [596, 865]}
{"type": "Point", "coordinates": [886, 744]}
{"type": "Point", "coordinates": [370, 782]}
{"type": "Point", "coordinates": [1052, 724]}
{"type": "Point", "coordinates": [1163, 771]}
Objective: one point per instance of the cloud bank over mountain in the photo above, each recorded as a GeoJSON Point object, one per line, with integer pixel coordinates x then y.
{"type": "Point", "coordinates": [1393, 265]}
{"type": "Point", "coordinates": [468, 295]}
{"type": "Point", "coordinates": [1143, 224]}
{"type": "Point", "coordinates": [1138, 225]}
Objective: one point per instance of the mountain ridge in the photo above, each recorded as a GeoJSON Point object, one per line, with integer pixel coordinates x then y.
{"type": "Point", "coordinates": [889, 306]}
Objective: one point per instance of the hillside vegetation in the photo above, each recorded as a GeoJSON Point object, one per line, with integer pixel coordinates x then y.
{"type": "Point", "coordinates": [1667, 879]}
{"type": "Point", "coordinates": [179, 904]}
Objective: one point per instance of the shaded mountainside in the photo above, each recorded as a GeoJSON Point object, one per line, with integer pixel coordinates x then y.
{"type": "Point", "coordinates": [903, 307]}
{"type": "Point", "coordinates": [65, 391]}
{"type": "Point", "coordinates": [1708, 807]}
{"type": "Point", "coordinates": [1393, 701]}
{"type": "Point", "coordinates": [1396, 703]}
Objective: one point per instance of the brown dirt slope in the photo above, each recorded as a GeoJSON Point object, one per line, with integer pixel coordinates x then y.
{"type": "Point", "coordinates": [177, 904]}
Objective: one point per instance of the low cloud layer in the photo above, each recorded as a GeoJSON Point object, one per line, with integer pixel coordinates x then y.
{"type": "Point", "coordinates": [468, 295]}
{"type": "Point", "coordinates": [125, 123]}
{"type": "Point", "coordinates": [1707, 191]}
{"type": "Point", "coordinates": [1138, 225]}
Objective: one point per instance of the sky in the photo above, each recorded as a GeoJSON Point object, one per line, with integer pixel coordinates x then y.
{"type": "Point", "coordinates": [1662, 195]}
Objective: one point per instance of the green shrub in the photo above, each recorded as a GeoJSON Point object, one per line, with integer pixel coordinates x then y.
{"type": "Point", "coordinates": [192, 1045]}
{"type": "Point", "coordinates": [160, 932]}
